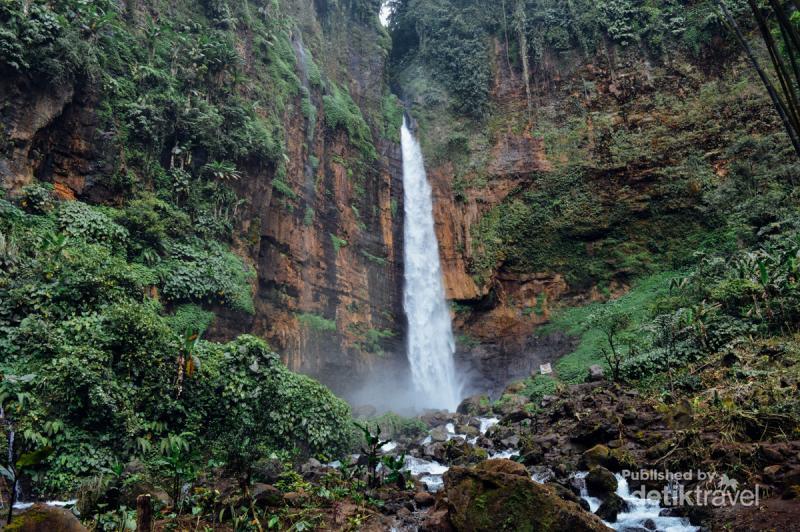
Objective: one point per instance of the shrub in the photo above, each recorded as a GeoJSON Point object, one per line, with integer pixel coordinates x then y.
{"type": "Point", "coordinates": [78, 220]}
{"type": "Point", "coordinates": [338, 243]}
{"type": "Point", "coordinates": [316, 323]}
{"type": "Point", "coordinates": [190, 319]}
{"type": "Point", "coordinates": [152, 222]}
{"type": "Point", "coordinates": [37, 198]}
{"type": "Point", "coordinates": [291, 410]}
{"type": "Point", "coordinates": [281, 186]}
{"type": "Point", "coordinates": [341, 112]}
{"type": "Point", "coordinates": [206, 273]}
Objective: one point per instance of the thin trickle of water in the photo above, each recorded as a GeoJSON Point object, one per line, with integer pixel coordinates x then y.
{"type": "Point", "coordinates": [10, 457]}
{"type": "Point", "coordinates": [430, 335]}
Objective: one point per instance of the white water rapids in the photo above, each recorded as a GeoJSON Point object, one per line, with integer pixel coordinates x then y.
{"type": "Point", "coordinates": [430, 334]}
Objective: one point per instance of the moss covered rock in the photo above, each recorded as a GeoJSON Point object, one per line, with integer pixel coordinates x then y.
{"type": "Point", "coordinates": [43, 518]}
{"type": "Point", "coordinates": [500, 495]}
{"type": "Point", "coordinates": [597, 455]}
{"type": "Point", "coordinates": [476, 405]}
{"type": "Point", "coordinates": [613, 459]}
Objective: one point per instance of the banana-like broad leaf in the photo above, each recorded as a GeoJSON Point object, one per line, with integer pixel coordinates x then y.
{"type": "Point", "coordinates": [7, 473]}
{"type": "Point", "coordinates": [762, 270]}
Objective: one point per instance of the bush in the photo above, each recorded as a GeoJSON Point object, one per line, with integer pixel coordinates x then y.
{"type": "Point", "coordinates": [316, 323]}
{"type": "Point", "coordinates": [151, 223]}
{"type": "Point", "coordinates": [206, 273]}
{"type": "Point", "coordinates": [37, 198]}
{"type": "Point", "coordinates": [190, 319]}
{"type": "Point", "coordinates": [78, 220]}
{"type": "Point", "coordinates": [341, 112]}
{"type": "Point", "coordinates": [290, 410]}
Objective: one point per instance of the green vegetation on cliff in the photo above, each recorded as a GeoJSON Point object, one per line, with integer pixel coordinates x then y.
{"type": "Point", "coordinates": [103, 306]}
{"type": "Point", "coordinates": [635, 133]}
{"type": "Point", "coordinates": [453, 38]}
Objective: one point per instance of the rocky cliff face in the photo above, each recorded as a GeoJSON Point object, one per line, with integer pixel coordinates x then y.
{"type": "Point", "coordinates": [577, 167]}
{"type": "Point", "coordinates": [328, 250]}
{"type": "Point", "coordinates": [321, 222]}
{"type": "Point", "coordinates": [600, 166]}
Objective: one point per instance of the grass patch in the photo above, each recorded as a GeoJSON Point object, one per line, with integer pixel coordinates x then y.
{"type": "Point", "coordinates": [338, 243]}
{"type": "Point", "coordinates": [640, 302]}
{"type": "Point", "coordinates": [316, 323]}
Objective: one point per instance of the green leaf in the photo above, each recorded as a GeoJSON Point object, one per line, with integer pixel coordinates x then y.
{"type": "Point", "coordinates": [7, 473]}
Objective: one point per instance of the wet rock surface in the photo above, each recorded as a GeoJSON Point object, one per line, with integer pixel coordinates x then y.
{"type": "Point", "coordinates": [499, 495]}
{"type": "Point", "coordinates": [43, 518]}
{"type": "Point", "coordinates": [599, 429]}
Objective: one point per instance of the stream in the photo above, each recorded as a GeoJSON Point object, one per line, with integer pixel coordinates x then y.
{"type": "Point", "coordinates": [643, 515]}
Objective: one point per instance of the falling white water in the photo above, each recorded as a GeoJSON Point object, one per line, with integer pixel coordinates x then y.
{"type": "Point", "coordinates": [430, 334]}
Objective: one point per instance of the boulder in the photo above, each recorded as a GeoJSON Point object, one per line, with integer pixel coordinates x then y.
{"type": "Point", "coordinates": [265, 495]}
{"type": "Point", "coordinates": [474, 406]}
{"type": "Point", "coordinates": [532, 453]}
{"type": "Point", "coordinates": [268, 470]}
{"type": "Point", "coordinates": [595, 373]}
{"type": "Point", "coordinates": [439, 434]}
{"type": "Point", "coordinates": [313, 469]}
{"type": "Point", "coordinates": [436, 451]}
{"type": "Point", "coordinates": [612, 505]}
{"type": "Point", "coordinates": [597, 455]}
{"type": "Point", "coordinates": [43, 518]}
{"type": "Point", "coordinates": [509, 403]}
{"type": "Point", "coordinates": [512, 442]}
{"type": "Point", "coordinates": [612, 459]}
{"type": "Point", "coordinates": [469, 431]}
{"type": "Point", "coordinates": [459, 452]}
{"type": "Point", "coordinates": [568, 495]}
{"type": "Point", "coordinates": [433, 418]}
{"type": "Point", "coordinates": [499, 495]}
{"type": "Point", "coordinates": [600, 482]}
{"type": "Point", "coordinates": [437, 520]}
{"type": "Point", "coordinates": [515, 417]}
{"type": "Point", "coordinates": [423, 499]}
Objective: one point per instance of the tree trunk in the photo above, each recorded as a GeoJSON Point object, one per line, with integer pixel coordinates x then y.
{"type": "Point", "coordinates": [144, 513]}
{"type": "Point", "coordinates": [12, 499]}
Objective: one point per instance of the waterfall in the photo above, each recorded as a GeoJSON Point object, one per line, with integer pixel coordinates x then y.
{"type": "Point", "coordinates": [430, 334]}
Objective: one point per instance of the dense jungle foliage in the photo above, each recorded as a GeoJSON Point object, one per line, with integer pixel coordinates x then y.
{"type": "Point", "coordinates": [100, 371]}
{"type": "Point", "coordinates": [103, 307]}
{"type": "Point", "coordinates": [451, 36]}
